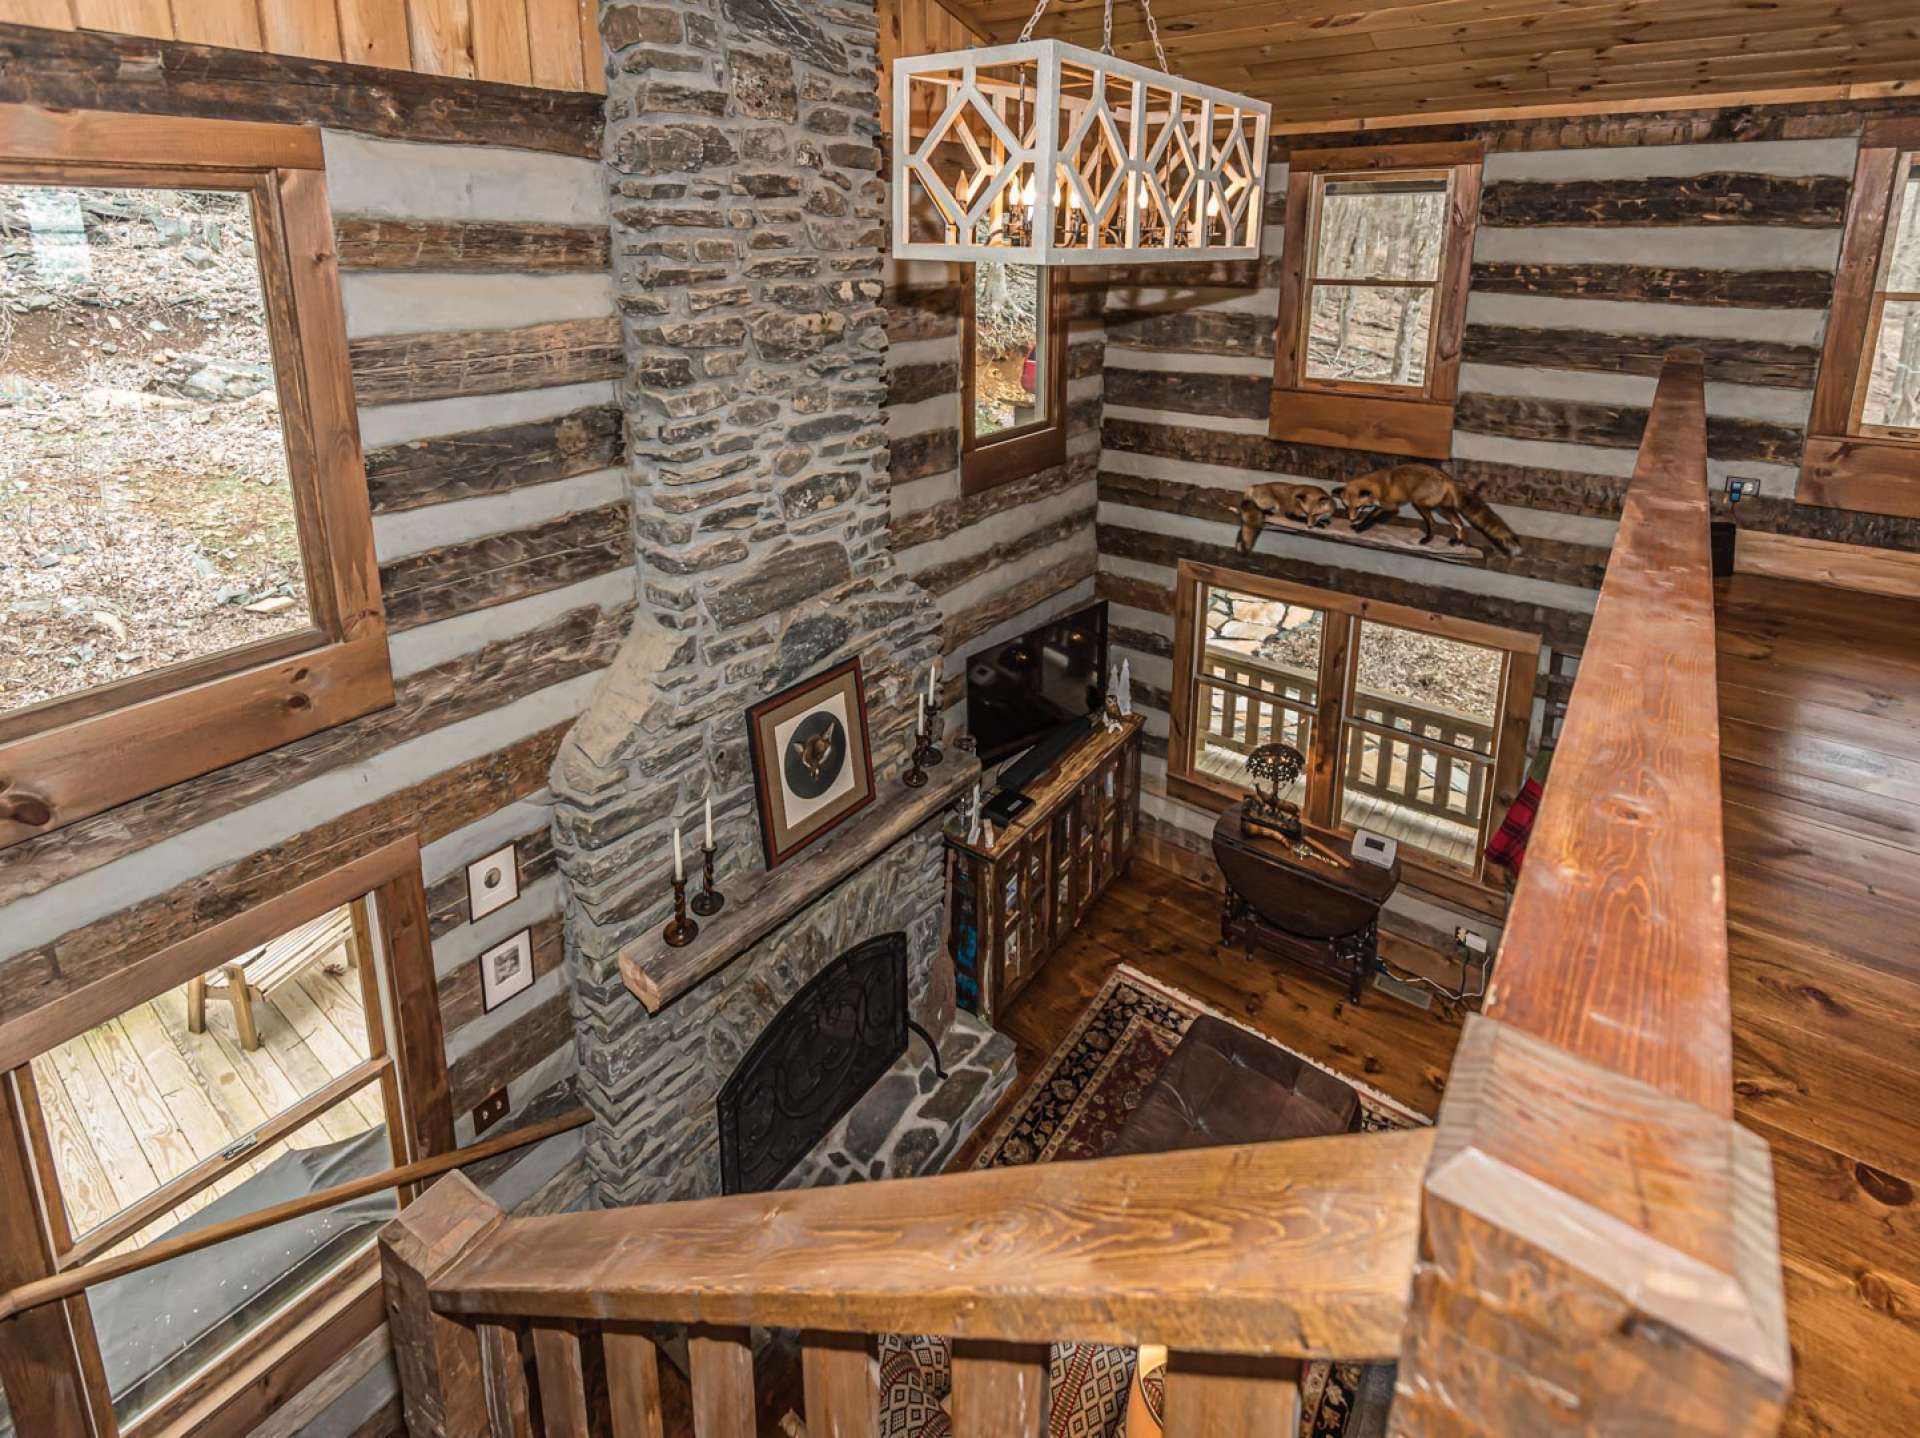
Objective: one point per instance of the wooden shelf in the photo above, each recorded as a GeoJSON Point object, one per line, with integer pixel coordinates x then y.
{"type": "Point", "coordinates": [659, 974]}
{"type": "Point", "coordinates": [1399, 535]}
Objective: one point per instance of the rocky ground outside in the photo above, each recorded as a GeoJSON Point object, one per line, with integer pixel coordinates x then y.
{"type": "Point", "coordinates": [145, 513]}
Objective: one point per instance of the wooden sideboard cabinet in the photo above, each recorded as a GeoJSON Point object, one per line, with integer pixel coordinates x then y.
{"type": "Point", "coordinates": [1016, 900]}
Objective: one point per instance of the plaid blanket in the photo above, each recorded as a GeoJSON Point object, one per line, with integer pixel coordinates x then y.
{"type": "Point", "coordinates": [1508, 846]}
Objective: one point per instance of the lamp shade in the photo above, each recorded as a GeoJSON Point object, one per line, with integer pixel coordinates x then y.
{"type": "Point", "coordinates": [1046, 153]}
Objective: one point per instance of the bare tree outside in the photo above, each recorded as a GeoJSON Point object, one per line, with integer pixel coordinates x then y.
{"type": "Point", "coordinates": [1376, 265]}
{"type": "Point", "coordinates": [146, 516]}
{"type": "Point", "coordinates": [1009, 348]}
{"type": "Point", "coordinates": [1893, 383]}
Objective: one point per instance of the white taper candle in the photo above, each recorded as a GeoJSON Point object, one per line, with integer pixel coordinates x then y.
{"type": "Point", "coordinates": [920, 717]}
{"type": "Point", "coordinates": [679, 867]}
{"type": "Point", "coordinates": [709, 821]}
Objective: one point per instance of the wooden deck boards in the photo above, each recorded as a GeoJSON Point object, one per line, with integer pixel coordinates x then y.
{"type": "Point", "coordinates": [140, 1100]}
{"type": "Point", "coordinates": [1820, 690]}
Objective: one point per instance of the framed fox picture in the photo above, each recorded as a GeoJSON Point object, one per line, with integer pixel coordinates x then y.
{"type": "Point", "coordinates": [812, 765]}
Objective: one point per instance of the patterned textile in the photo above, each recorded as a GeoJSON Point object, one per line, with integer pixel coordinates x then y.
{"type": "Point", "coordinates": [1088, 1383]}
{"type": "Point", "coordinates": [1075, 1105]}
{"type": "Point", "coordinates": [1508, 846]}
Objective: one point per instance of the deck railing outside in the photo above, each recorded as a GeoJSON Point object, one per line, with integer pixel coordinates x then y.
{"type": "Point", "coordinates": [1425, 758]}
{"type": "Point", "coordinates": [1584, 1242]}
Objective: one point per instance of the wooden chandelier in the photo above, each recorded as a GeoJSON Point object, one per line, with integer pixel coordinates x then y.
{"type": "Point", "coordinates": [1041, 152]}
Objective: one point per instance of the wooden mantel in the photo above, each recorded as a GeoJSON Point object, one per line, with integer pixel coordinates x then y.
{"type": "Point", "coordinates": [659, 974]}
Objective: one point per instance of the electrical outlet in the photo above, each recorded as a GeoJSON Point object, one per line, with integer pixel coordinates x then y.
{"type": "Point", "coordinates": [1474, 944]}
{"type": "Point", "coordinates": [1739, 489]}
{"type": "Point", "coordinates": [489, 1111]}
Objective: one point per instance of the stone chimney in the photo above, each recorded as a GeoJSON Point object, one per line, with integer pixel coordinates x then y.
{"type": "Point", "coordinates": [748, 223]}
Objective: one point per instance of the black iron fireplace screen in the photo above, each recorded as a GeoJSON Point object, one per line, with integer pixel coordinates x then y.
{"type": "Point", "coordinates": [822, 1051]}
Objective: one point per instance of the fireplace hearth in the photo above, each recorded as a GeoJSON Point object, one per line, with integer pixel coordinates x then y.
{"type": "Point", "coordinates": [822, 1052]}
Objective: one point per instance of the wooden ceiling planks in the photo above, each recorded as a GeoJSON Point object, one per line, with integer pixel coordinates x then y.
{"type": "Point", "coordinates": [552, 44]}
{"type": "Point", "coordinates": [1319, 62]}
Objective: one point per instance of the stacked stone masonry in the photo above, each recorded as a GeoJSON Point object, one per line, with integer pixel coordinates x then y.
{"type": "Point", "coordinates": [748, 208]}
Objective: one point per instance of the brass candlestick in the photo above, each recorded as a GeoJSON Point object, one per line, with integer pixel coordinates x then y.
{"type": "Point", "coordinates": [709, 901]}
{"type": "Point", "coordinates": [679, 930]}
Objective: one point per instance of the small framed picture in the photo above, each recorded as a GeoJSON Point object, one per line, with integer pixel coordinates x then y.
{"type": "Point", "coordinates": [505, 970]}
{"type": "Point", "coordinates": [812, 766]}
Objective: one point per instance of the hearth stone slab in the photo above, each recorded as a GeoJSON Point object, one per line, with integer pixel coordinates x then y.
{"type": "Point", "coordinates": [909, 1123]}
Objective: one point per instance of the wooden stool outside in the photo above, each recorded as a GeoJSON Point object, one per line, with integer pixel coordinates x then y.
{"type": "Point", "coordinates": [257, 973]}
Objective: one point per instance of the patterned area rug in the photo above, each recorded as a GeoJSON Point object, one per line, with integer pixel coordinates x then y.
{"type": "Point", "coordinates": [1076, 1104]}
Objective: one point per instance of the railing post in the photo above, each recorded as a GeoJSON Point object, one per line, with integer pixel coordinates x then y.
{"type": "Point", "coordinates": [438, 1358]}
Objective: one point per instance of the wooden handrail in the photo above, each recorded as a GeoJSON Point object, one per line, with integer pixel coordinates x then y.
{"type": "Point", "coordinates": [74, 1280]}
{"type": "Point", "coordinates": [1301, 1249]}
{"type": "Point", "coordinates": [1599, 1250]}
{"type": "Point", "coordinates": [1616, 942]}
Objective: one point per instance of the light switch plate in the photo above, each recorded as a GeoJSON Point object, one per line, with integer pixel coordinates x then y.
{"type": "Point", "coordinates": [493, 882]}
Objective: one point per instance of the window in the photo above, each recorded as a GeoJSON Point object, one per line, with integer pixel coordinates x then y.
{"type": "Point", "coordinates": [259, 1063]}
{"type": "Point", "coordinates": [1864, 446]}
{"type": "Point", "coordinates": [191, 577]}
{"type": "Point", "coordinates": [1013, 385]}
{"type": "Point", "coordinates": [1413, 725]}
{"type": "Point", "coordinates": [1373, 294]}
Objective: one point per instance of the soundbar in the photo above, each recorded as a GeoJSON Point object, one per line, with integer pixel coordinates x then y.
{"type": "Point", "coordinates": [1010, 799]}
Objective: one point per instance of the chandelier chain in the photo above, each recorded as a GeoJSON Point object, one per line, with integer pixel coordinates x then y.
{"type": "Point", "coordinates": [1106, 37]}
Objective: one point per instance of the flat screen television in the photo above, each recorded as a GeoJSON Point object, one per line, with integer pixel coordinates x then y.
{"type": "Point", "coordinates": [1021, 689]}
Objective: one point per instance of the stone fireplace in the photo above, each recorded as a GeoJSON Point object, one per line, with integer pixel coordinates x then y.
{"type": "Point", "coordinates": [748, 207]}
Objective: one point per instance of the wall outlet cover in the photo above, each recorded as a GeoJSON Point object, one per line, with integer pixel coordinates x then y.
{"type": "Point", "coordinates": [490, 1110]}
{"type": "Point", "coordinates": [493, 882]}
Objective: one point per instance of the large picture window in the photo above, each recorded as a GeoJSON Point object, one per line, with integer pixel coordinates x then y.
{"type": "Point", "coordinates": [259, 1063]}
{"type": "Point", "coordinates": [1863, 450]}
{"type": "Point", "coordinates": [1373, 295]}
{"type": "Point", "coordinates": [1013, 381]}
{"type": "Point", "coordinates": [1413, 725]}
{"type": "Point", "coordinates": [181, 490]}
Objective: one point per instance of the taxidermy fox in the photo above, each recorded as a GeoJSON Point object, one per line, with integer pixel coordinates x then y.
{"type": "Point", "coordinates": [1303, 503]}
{"type": "Point", "coordinates": [1430, 491]}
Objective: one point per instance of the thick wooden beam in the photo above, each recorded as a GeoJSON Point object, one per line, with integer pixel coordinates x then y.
{"type": "Point", "coordinates": [1109, 1251]}
{"type": "Point", "coordinates": [94, 70]}
{"type": "Point", "coordinates": [471, 246]}
{"type": "Point", "coordinates": [1596, 1256]}
{"type": "Point", "coordinates": [438, 1358]}
{"type": "Point", "coordinates": [493, 461]}
{"type": "Point", "coordinates": [396, 369]}
{"type": "Point", "coordinates": [480, 573]}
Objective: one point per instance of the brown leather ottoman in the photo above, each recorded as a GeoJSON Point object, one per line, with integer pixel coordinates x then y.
{"type": "Point", "coordinates": [1223, 1085]}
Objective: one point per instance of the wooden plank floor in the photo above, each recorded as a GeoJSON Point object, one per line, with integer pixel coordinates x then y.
{"type": "Point", "coordinates": [140, 1100]}
{"type": "Point", "coordinates": [1820, 732]}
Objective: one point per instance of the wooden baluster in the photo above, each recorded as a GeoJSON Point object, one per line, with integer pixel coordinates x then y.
{"type": "Point", "coordinates": [999, 1389]}
{"type": "Point", "coordinates": [842, 1383]}
{"type": "Point", "coordinates": [633, 1382]}
{"type": "Point", "coordinates": [722, 1363]}
{"type": "Point", "coordinates": [503, 1377]}
{"type": "Point", "coordinates": [563, 1379]}
{"type": "Point", "coordinates": [1221, 1395]}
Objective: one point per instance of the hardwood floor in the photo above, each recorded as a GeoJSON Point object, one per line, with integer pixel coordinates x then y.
{"type": "Point", "coordinates": [1820, 704]}
{"type": "Point", "coordinates": [1820, 732]}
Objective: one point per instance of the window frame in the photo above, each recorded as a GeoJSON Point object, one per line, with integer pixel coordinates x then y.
{"type": "Point", "coordinates": [1415, 421]}
{"type": "Point", "coordinates": [74, 756]}
{"type": "Point", "coordinates": [1338, 667]}
{"type": "Point", "coordinates": [1847, 466]}
{"type": "Point", "coordinates": [233, 1393]}
{"type": "Point", "coordinates": [1014, 454]}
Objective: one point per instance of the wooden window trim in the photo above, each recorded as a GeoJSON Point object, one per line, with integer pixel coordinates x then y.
{"type": "Point", "coordinates": [985, 464]}
{"type": "Point", "coordinates": [1348, 415]}
{"type": "Point", "coordinates": [1472, 886]}
{"type": "Point", "coordinates": [1843, 468]}
{"type": "Point", "coordinates": [49, 1353]}
{"type": "Point", "coordinates": [78, 755]}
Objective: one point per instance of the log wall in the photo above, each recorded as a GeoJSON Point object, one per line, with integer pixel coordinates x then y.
{"type": "Point", "coordinates": [1601, 245]}
{"type": "Point", "coordinates": [506, 561]}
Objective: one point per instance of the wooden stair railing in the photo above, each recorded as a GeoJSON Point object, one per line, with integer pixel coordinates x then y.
{"type": "Point", "coordinates": [1598, 1250]}
{"type": "Point", "coordinates": [1586, 1242]}
{"type": "Point", "coordinates": [1241, 1260]}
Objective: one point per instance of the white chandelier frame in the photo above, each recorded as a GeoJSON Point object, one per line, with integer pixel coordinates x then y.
{"type": "Point", "coordinates": [1179, 159]}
